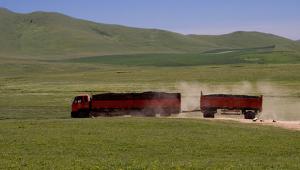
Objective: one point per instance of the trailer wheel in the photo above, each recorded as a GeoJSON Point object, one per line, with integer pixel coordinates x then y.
{"type": "Point", "coordinates": [165, 114]}
{"type": "Point", "coordinates": [249, 115]}
{"type": "Point", "coordinates": [209, 114]}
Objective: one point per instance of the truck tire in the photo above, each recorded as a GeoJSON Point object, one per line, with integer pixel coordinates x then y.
{"type": "Point", "coordinates": [149, 112]}
{"type": "Point", "coordinates": [249, 115]}
{"type": "Point", "coordinates": [83, 114]}
{"type": "Point", "coordinates": [74, 115]}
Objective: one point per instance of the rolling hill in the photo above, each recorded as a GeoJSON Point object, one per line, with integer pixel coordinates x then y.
{"type": "Point", "coordinates": [41, 33]}
{"type": "Point", "coordinates": [242, 39]}
{"type": "Point", "coordinates": [50, 35]}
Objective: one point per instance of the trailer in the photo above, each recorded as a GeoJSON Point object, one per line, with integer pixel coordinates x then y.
{"type": "Point", "coordinates": [120, 104]}
{"type": "Point", "coordinates": [249, 106]}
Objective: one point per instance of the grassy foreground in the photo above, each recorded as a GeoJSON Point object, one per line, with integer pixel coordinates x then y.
{"type": "Point", "coordinates": [145, 143]}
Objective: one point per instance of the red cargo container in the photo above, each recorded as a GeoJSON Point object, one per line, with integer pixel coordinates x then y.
{"type": "Point", "coordinates": [118, 104]}
{"type": "Point", "coordinates": [249, 105]}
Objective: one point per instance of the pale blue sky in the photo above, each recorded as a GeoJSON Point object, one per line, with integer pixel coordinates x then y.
{"type": "Point", "coordinates": [281, 17]}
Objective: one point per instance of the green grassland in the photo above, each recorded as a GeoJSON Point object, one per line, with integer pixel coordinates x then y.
{"type": "Point", "coordinates": [145, 143]}
{"type": "Point", "coordinates": [44, 89]}
{"type": "Point", "coordinates": [218, 58]}
{"type": "Point", "coordinates": [37, 132]}
{"type": "Point", "coordinates": [48, 58]}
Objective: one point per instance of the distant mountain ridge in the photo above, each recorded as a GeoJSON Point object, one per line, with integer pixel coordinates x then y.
{"type": "Point", "coordinates": [50, 34]}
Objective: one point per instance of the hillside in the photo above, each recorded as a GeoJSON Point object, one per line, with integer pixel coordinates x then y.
{"type": "Point", "coordinates": [44, 34]}
{"type": "Point", "coordinates": [242, 39]}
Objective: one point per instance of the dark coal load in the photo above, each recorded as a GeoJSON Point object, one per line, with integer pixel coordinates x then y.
{"type": "Point", "coordinates": [137, 104]}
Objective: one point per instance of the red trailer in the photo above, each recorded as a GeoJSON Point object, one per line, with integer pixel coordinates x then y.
{"type": "Point", "coordinates": [248, 105]}
{"type": "Point", "coordinates": [119, 104]}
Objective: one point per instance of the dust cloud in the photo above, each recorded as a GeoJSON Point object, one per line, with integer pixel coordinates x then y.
{"type": "Point", "coordinates": [279, 103]}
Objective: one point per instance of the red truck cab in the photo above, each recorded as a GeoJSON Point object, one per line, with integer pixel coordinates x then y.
{"type": "Point", "coordinates": [81, 106]}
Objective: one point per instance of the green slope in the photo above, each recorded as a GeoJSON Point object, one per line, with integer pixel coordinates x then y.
{"type": "Point", "coordinates": [41, 33]}
{"type": "Point", "coordinates": [44, 34]}
{"type": "Point", "coordinates": [242, 39]}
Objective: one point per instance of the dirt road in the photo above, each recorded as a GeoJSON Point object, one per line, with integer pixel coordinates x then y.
{"type": "Point", "coordinates": [291, 125]}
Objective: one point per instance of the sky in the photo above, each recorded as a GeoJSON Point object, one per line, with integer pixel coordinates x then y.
{"type": "Point", "coordinates": [280, 17]}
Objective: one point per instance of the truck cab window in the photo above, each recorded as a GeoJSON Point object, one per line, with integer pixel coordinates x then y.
{"type": "Point", "coordinates": [78, 99]}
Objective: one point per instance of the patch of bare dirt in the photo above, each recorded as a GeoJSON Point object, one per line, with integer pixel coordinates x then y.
{"type": "Point", "coordinates": [291, 125]}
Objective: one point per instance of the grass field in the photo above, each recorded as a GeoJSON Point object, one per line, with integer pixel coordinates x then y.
{"type": "Point", "coordinates": [44, 89]}
{"type": "Point", "coordinates": [145, 143]}
{"type": "Point", "coordinates": [242, 56]}
{"type": "Point", "coordinates": [48, 58]}
{"type": "Point", "coordinates": [37, 132]}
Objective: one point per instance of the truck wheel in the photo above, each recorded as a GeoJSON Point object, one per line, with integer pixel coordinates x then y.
{"type": "Point", "coordinates": [83, 114]}
{"type": "Point", "coordinates": [165, 112]}
{"type": "Point", "coordinates": [74, 115]}
{"type": "Point", "coordinates": [150, 115]}
{"type": "Point", "coordinates": [249, 115]}
{"type": "Point", "coordinates": [150, 112]}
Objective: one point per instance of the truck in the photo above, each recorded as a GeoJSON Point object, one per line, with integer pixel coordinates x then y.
{"type": "Point", "coordinates": [121, 104]}
{"type": "Point", "coordinates": [249, 106]}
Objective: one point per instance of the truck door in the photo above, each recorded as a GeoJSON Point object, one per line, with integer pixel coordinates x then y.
{"type": "Point", "coordinates": [77, 103]}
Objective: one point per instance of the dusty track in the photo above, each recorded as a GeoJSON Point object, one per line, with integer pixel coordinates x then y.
{"type": "Point", "coordinates": [291, 125]}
